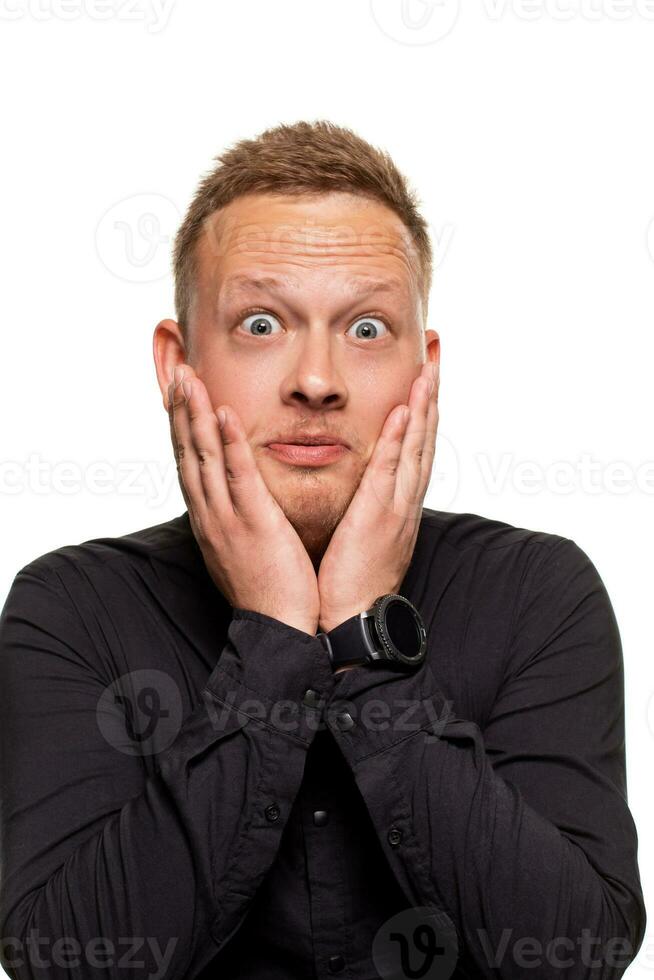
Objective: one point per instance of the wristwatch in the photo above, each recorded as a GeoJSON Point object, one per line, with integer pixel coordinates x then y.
{"type": "Point", "coordinates": [391, 632]}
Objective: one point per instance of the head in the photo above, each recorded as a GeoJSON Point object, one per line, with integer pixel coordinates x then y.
{"type": "Point", "coordinates": [302, 278]}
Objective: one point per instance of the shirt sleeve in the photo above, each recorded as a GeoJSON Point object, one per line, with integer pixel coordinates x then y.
{"type": "Point", "coordinates": [106, 873]}
{"type": "Point", "coordinates": [519, 833]}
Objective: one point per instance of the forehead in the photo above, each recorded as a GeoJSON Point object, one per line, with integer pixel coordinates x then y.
{"type": "Point", "coordinates": [262, 241]}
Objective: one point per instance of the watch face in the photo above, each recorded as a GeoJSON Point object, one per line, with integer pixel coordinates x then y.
{"type": "Point", "coordinates": [402, 629]}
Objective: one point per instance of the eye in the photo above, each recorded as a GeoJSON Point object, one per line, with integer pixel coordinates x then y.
{"type": "Point", "coordinates": [260, 324]}
{"type": "Point", "coordinates": [368, 327]}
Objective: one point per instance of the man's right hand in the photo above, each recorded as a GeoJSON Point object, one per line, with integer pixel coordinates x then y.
{"type": "Point", "coordinates": [252, 552]}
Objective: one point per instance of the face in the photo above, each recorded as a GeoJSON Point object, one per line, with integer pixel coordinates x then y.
{"type": "Point", "coordinates": [307, 320]}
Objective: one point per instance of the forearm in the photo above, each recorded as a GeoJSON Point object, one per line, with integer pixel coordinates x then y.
{"type": "Point", "coordinates": [519, 890]}
{"type": "Point", "coordinates": [156, 886]}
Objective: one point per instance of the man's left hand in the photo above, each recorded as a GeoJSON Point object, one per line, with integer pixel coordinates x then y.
{"type": "Point", "coordinates": [371, 549]}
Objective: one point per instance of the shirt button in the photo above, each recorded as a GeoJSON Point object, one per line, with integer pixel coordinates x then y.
{"type": "Point", "coordinates": [394, 836]}
{"type": "Point", "coordinates": [311, 698]}
{"type": "Point", "coordinates": [272, 812]}
{"type": "Point", "coordinates": [320, 817]}
{"type": "Point", "coordinates": [344, 720]}
{"type": "Point", "coordinates": [336, 963]}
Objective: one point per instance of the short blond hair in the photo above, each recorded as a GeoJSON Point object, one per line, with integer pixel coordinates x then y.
{"type": "Point", "coordinates": [298, 158]}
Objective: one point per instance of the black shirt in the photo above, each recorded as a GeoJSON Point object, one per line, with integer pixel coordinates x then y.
{"type": "Point", "coordinates": [187, 791]}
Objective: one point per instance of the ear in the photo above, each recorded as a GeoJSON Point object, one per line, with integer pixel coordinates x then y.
{"type": "Point", "coordinates": [432, 347]}
{"type": "Point", "coordinates": [169, 350]}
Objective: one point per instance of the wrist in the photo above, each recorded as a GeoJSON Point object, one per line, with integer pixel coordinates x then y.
{"type": "Point", "coordinates": [333, 620]}
{"type": "Point", "coordinates": [390, 632]}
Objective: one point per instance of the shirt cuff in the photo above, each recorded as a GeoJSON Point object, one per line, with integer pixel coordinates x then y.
{"type": "Point", "coordinates": [274, 673]}
{"type": "Point", "coordinates": [374, 707]}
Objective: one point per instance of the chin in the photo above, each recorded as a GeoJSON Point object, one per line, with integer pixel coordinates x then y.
{"type": "Point", "coordinates": [313, 505]}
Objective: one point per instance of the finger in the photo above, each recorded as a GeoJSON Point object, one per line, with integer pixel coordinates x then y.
{"type": "Point", "coordinates": [410, 465]}
{"type": "Point", "coordinates": [180, 430]}
{"type": "Point", "coordinates": [381, 472]}
{"type": "Point", "coordinates": [249, 494]}
{"type": "Point", "coordinates": [206, 441]}
{"type": "Point", "coordinates": [430, 435]}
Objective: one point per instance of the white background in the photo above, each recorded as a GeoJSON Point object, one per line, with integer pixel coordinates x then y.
{"type": "Point", "coordinates": [526, 128]}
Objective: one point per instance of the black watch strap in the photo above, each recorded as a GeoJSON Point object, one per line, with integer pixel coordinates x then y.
{"type": "Point", "coordinates": [353, 643]}
{"type": "Point", "coordinates": [391, 632]}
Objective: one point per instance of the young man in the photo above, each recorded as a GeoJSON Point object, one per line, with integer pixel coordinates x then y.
{"type": "Point", "coordinates": [213, 764]}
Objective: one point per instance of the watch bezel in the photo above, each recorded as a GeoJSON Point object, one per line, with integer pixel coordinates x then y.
{"type": "Point", "coordinates": [379, 612]}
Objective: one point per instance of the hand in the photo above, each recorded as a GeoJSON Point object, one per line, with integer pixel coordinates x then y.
{"type": "Point", "coordinates": [251, 551]}
{"type": "Point", "coordinates": [371, 549]}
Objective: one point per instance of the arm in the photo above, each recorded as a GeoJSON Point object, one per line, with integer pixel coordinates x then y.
{"type": "Point", "coordinates": [144, 877]}
{"type": "Point", "coordinates": [520, 833]}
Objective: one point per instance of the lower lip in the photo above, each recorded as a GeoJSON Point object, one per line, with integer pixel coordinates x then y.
{"type": "Point", "coordinates": [307, 455]}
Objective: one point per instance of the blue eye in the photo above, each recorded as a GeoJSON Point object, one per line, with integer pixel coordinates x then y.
{"type": "Point", "coordinates": [368, 327]}
{"type": "Point", "coordinates": [258, 324]}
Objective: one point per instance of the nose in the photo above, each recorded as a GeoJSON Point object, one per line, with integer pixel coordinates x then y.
{"type": "Point", "coordinates": [313, 380]}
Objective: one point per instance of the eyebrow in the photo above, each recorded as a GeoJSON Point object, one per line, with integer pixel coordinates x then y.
{"type": "Point", "coordinates": [358, 284]}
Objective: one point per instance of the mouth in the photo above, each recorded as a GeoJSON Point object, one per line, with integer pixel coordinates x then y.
{"type": "Point", "coordinates": [314, 452]}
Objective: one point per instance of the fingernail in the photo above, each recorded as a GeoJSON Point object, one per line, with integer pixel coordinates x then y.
{"type": "Point", "coordinates": [222, 417]}
{"type": "Point", "coordinates": [186, 385]}
{"type": "Point", "coordinates": [178, 374]}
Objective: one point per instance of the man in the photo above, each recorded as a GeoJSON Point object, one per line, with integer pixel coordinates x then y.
{"type": "Point", "coordinates": [208, 752]}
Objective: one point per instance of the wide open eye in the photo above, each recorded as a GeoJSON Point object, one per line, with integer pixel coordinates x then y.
{"type": "Point", "coordinates": [260, 324]}
{"type": "Point", "coordinates": [368, 328]}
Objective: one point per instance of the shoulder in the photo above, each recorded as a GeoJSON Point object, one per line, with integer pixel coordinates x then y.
{"type": "Point", "coordinates": [541, 570]}
{"type": "Point", "coordinates": [476, 536]}
{"type": "Point", "coordinates": [169, 541]}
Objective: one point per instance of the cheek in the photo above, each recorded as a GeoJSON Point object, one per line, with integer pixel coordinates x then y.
{"type": "Point", "coordinates": [369, 405]}
{"type": "Point", "coordinates": [251, 396]}
{"type": "Point", "coordinates": [377, 395]}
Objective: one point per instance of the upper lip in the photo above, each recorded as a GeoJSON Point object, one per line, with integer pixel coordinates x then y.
{"type": "Point", "coordinates": [309, 439]}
